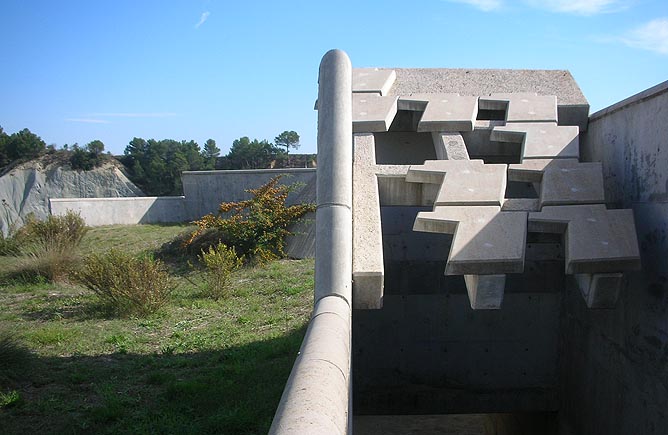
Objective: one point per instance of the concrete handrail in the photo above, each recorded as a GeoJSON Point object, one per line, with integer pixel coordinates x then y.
{"type": "Point", "coordinates": [316, 399]}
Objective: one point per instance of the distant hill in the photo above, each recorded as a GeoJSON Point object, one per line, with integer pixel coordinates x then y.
{"type": "Point", "coordinates": [26, 187]}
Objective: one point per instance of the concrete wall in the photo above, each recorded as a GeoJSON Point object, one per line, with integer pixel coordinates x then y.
{"type": "Point", "coordinates": [614, 364]}
{"type": "Point", "coordinates": [204, 190]}
{"type": "Point", "coordinates": [427, 352]}
{"type": "Point", "coordinates": [123, 211]}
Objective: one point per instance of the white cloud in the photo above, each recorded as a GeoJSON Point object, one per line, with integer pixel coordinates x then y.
{"type": "Point", "coordinates": [202, 19]}
{"type": "Point", "coordinates": [581, 7]}
{"type": "Point", "coordinates": [88, 120]}
{"type": "Point", "coordinates": [483, 5]}
{"type": "Point", "coordinates": [651, 36]}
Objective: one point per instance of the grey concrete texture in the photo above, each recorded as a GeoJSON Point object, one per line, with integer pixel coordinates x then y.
{"type": "Point", "coordinates": [368, 269]}
{"type": "Point", "coordinates": [540, 140]}
{"type": "Point", "coordinates": [600, 290]}
{"type": "Point", "coordinates": [597, 240]}
{"type": "Point", "coordinates": [485, 291]}
{"type": "Point", "coordinates": [444, 112]}
{"type": "Point", "coordinates": [450, 146]}
{"type": "Point", "coordinates": [463, 182]}
{"type": "Point", "coordinates": [124, 211]}
{"type": "Point", "coordinates": [522, 106]}
{"type": "Point", "coordinates": [373, 80]}
{"type": "Point", "coordinates": [616, 359]}
{"type": "Point", "coordinates": [373, 113]}
{"type": "Point", "coordinates": [316, 396]}
{"type": "Point", "coordinates": [573, 107]}
{"type": "Point", "coordinates": [205, 190]}
{"type": "Point", "coordinates": [486, 240]}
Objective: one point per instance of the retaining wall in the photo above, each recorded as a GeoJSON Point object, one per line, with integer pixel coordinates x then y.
{"type": "Point", "coordinates": [615, 362]}
{"type": "Point", "coordinates": [123, 211]}
{"type": "Point", "coordinates": [204, 190]}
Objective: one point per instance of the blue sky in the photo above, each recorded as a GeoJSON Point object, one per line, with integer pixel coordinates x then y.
{"type": "Point", "coordinates": [75, 71]}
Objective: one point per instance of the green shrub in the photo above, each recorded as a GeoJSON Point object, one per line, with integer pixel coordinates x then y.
{"type": "Point", "coordinates": [9, 399]}
{"type": "Point", "coordinates": [257, 227]}
{"type": "Point", "coordinates": [51, 244]}
{"type": "Point", "coordinates": [8, 245]}
{"type": "Point", "coordinates": [128, 284]}
{"type": "Point", "coordinates": [219, 262]}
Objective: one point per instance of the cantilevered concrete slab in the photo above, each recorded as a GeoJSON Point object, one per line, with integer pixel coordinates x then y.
{"type": "Point", "coordinates": [572, 106]}
{"type": "Point", "coordinates": [597, 240]}
{"type": "Point", "coordinates": [442, 112]}
{"type": "Point", "coordinates": [562, 181]}
{"type": "Point", "coordinates": [373, 113]}
{"type": "Point", "coordinates": [373, 80]}
{"type": "Point", "coordinates": [540, 140]}
{"type": "Point", "coordinates": [486, 240]}
{"type": "Point", "coordinates": [463, 182]}
{"type": "Point", "coordinates": [522, 107]}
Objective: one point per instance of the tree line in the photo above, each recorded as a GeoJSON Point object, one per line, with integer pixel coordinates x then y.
{"type": "Point", "coordinates": [155, 166]}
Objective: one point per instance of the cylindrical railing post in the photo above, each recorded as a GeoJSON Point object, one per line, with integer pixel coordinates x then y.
{"type": "Point", "coordinates": [316, 399]}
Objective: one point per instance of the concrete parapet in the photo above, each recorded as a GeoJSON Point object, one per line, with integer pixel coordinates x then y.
{"type": "Point", "coordinates": [317, 398]}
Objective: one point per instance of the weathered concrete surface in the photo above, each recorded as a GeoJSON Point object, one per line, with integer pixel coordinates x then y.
{"type": "Point", "coordinates": [614, 363]}
{"type": "Point", "coordinates": [373, 80]}
{"type": "Point", "coordinates": [462, 182]}
{"type": "Point", "coordinates": [541, 140]}
{"type": "Point", "coordinates": [450, 146]}
{"type": "Point", "coordinates": [373, 113]}
{"type": "Point", "coordinates": [485, 239]}
{"type": "Point", "coordinates": [444, 112]}
{"type": "Point", "coordinates": [205, 190]}
{"type": "Point", "coordinates": [123, 211]}
{"type": "Point", "coordinates": [573, 108]}
{"type": "Point", "coordinates": [317, 397]}
{"type": "Point", "coordinates": [368, 270]}
{"type": "Point", "coordinates": [27, 188]}
{"type": "Point", "coordinates": [597, 240]}
{"type": "Point", "coordinates": [522, 106]}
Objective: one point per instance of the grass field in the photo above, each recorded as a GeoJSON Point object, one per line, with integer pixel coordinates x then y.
{"type": "Point", "coordinates": [197, 366]}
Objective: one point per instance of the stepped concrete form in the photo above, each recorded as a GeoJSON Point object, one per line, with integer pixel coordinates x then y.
{"type": "Point", "coordinates": [541, 140]}
{"type": "Point", "coordinates": [522, 107]}
{"type": "Point", "coordinates": [463, 182]}
{"type": "Point", "coordinates": [597, 240]}
{"type": "Point", "coordinates": [468, 216]}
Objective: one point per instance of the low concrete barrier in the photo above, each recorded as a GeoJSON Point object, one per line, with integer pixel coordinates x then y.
{"type": "Point", "coordinates": [123, 211]}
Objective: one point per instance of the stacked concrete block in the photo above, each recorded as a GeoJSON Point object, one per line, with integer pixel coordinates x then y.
{"type": "Point", "coordinates": [487, 244]}
{"type": "Point", "coordinates": [442, 112]}
{"type": "Point", "coordinates": [372, 112]}
{"type": "Point", "coordinates": [522, 107]}
{"type": "Point", "coordinates": [540, 140]}
{"type": "Point", "coordinates": [468, 196]}
{"type": "Point", "coordinates": [600, 244]}
{"type": "Point", "coordinates": [462, 182]}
